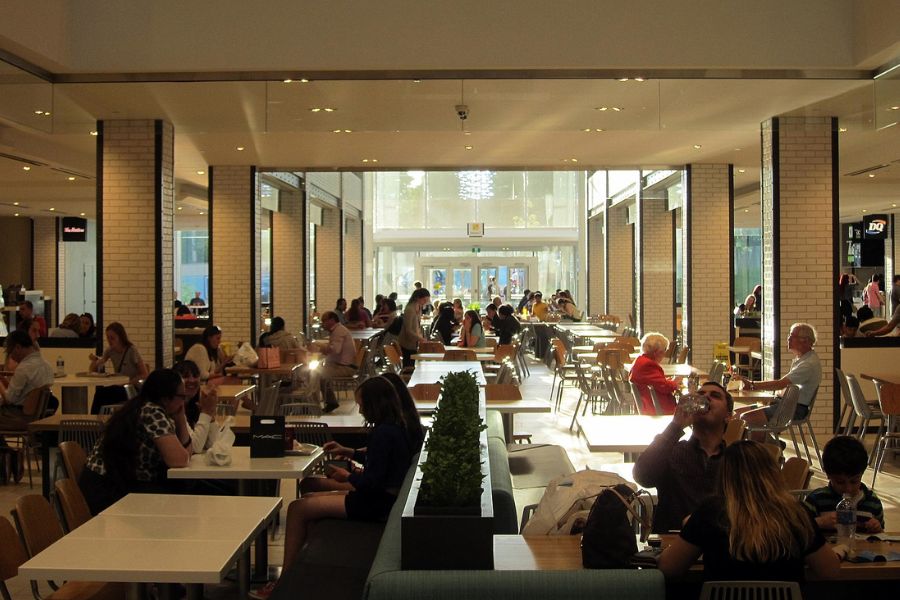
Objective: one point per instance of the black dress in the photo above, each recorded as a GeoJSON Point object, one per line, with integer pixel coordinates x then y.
{"type": "Point", "coordinates": [387, 458]}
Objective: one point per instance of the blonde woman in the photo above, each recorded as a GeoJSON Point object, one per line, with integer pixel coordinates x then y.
{"type": "Point", "coordinates": [647, 371]}
{"type": "Point", "coordinates": [753, 529]}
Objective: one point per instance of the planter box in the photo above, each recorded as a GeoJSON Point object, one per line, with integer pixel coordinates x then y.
{"type": "Point", "coordinates": [433, 539]}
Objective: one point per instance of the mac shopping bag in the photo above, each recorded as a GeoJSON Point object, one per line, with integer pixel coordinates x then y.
{"type": "Point", "coordinates": [266, 436]}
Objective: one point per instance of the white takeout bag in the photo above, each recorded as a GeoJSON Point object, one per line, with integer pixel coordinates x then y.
{"type": "Point", "coordinates": [220, 453]}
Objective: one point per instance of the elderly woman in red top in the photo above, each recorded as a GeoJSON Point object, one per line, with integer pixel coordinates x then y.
{"type": "Point", "coordinates": [647, 372]}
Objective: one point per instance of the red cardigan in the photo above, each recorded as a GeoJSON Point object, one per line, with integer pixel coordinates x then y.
{"type": "Point", "coordinates": [647, 371]}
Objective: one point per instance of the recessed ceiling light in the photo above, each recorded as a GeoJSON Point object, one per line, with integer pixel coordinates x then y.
{"type": "Point", "coordinates": [623, 79]}
{"type": "Point", "coordinates": [587, 130]}
{"type": "Point", "coordinates": [287, 81]}
{"type": "Point", "coordinates": [26, 168]}
{"type": "Point", "coordinates": [871, 175]}
{"type": "Point", "coordinates": [574, 159]}
{"type": "Point", "coordinates": [202, 213]}
{"type": "Point", "coordinates": [240, 148]}
{"type": "Point", "coordinates": [335, 131]}
{"type": "Point", "coordinates": [417, 81]}
{"type": "Point", "coordinates": [842, 129]}
{"type": "Point", "coordinates": [618, 108]}
{"type": "Point", "coordinates": [598, 130]}
{"type": "Point", "coordinates": [374, 160]}
{"type": "Point", "coordinates": [52, 209]}
{"type": "Point", "coordinates": [640, 79]}
{"type": "Point", "coordinates": [895, 108]}
{"type": "Point", "coordinates": [737, 149]}
{"type": "Point", "coordinates": [468, 147]}
{"type": "Point", "coordinates": [304, 80]}
{"type": "Point", "coordinates": [70, 178]}
{"type": "Point", "coordinates": [697, 146]}
{"type": "Point", "coordinates": [46, 113]}
{"type": "Point", "coordinates": [464, 132]}
{"type": "Point", "coordinates": [601, 108]}
{"type": "Point", "coordinates": [864, 210]}
{"type": "Point", "coordinates": [180, 208]}
{"type": "Point", "coordinates": [365, 160]}
{"type": "Point", "coordinates": [348, 131]}
{"type": "Point", "coordinates": [95, 133]}
{"type": "Point", "coordinates": [326, 109]}
{"type": "Point", "coordinates": [81, 214]}
{"type": "Point", "coordinates": [201, 172]}
{"type": "Point", "coordinates": [38, 112]}
{"type": "Point", "coordinates": [16, 215]}
{"type": "Point", "coordinates": [742, 170]}
{"type": "Point", "coordinates": [893, 206]}
{"type": "Point", "coordinates": [15, 203]}
{"type": "Point", "coordinates": [315, 109]}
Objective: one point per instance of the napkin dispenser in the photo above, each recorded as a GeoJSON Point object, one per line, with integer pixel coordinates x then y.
{"type": "Point", "coordinates": [266, 436]}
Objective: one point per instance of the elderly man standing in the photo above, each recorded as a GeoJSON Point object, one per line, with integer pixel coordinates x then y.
{"type": "Point", "coordinates": [684, 471]}
{"type": "Point", "coordinates": [805, 373]}
{"type": "Point", "coordinates": [340, 358]}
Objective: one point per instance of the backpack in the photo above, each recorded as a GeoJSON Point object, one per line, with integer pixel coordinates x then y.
{"type": "Point", "coordinates": [608, 540]}
{"type": "Point", "coordinates": [567, 501]}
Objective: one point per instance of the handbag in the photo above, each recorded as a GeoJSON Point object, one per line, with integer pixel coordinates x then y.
{"type": "Point", "coordinates": [269, 358]}
{"type": "Point", "coordinates": [608, 540]}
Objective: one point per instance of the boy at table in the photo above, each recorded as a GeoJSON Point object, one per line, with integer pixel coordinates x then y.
{"type": "Point", "coordinates": [684, 471]}
{"type": "Point", "coordinates": [844, 461]}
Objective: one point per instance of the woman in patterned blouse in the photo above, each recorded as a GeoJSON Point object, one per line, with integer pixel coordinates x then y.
{"type": "Point", "coordinates": [148, 435]}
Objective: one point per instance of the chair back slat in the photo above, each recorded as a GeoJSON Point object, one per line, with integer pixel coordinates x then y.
{"type": "Point", "coordinates": [502, 391]}
{"type": "Point", "coordinates": [84, 431]}
{"type": "Point", "coordinates": [425, 392]}
{"type": "Point", "coordinates": [795, 473]}
{"type": "Point", "coordinates": [295, 409]}
{"type": "Point", "coordinates": [74, 507]}
{"type": "Point", "coordinates": [734, 431]}
{"type": "Point", "coordinates": [37, 523]}
{"type": "Point", "coordinates": [36, 402]}
{"type": "Point", "coordinates": [73, 458]}
{"type": "Point", "coordinates": [460, 355]}
{"type": "Point", "coordinates": [13, 554]}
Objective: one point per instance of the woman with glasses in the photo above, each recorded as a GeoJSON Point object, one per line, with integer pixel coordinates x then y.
{"type": "Point", "coordinates": [140, 442]}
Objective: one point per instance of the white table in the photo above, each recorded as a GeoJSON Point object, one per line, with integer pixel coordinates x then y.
{"type": "Point", "coordinates": [628, 434]}
{"type": "Point", "coordinates": [432, 371]}
{"type": "Point", "coordinates": [90, 382]}
{"type": "Point", "coordinates": [479, 356]}
{"type": "Point", "coordinates": [160, 539]}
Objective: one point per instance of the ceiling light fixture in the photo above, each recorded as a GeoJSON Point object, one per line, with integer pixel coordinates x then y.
{"type": "Point", "coordinates": [871, 175]}
{"type": "Point", "coordinates": [467, 133]}
{"type": "Point", "coordinates": [81, 214]}
{"type": "Point", "coordinates": [304, 80]}
{"type": "Point", "coordinates": [38, 112]}
{"type": "Point", "coordinates": [601, 108]}
{"type": "Point", "coordinates": [640, 79]}
{"type": "Point", "coordinates": [893, 206]}
{"type": "Point", "coordinates": [697, 146]}
{"type": "Point", "coordinates": [587, 130]}
{"type": "Point", "coordinates": [617, 108]}
{"type": "Point", "coordinates": [15, 203]}
{"type": "Point", "coordinates": [842, 130]}
{"type": "Point", "coordinates": [864, 210]}
{"type": "Point", "coordinates": [746, 210]}
{"type": "Point", "coordinates": [622, 79]}
{"type": "Point", "coordinates": [95, 133]}
{"type": "Point", "coordinates": [201, 172]}
{"type": "Point", "coordinates": [70, 178]}
{"type": "Point", "coordinates": [742, 170]}
{"type": "Point", "coordinates": [468, 147]}
{"type": "Point", "coordinates": [326, 109]}
{"type": "Point", "coordinates": [335, 131]}
{"type": "Point", "coordinates": [240, 148]}
{"type": "Point", "coordinates": [16, 215]}
{"type": "Point", "coordinates": [895, 108]}
{"type": "Point", "coordinates": [288, 81]}
{"type": "Point", "coordinates": [315, 109]}
{"type": "Point", "coordinates": [52, 209]}
{"type": "Point", "coordinates": [574, 159]}
{"type": "Point", "coordinates": [180, 208]}
{"type": "Point", "coordinates": [417, 81]}
{"type": "Point", "coordinates": [26, 168]}
{"type": "Point", "coordinates": [202, 213]}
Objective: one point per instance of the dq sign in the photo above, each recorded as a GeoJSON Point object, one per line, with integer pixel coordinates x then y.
{"type": "Point", "coordinates": [875, 227]}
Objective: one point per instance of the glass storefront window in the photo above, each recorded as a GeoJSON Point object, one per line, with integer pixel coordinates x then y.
{"type": "Point", "coordinates": [747, 262]}
{"type": "Point", "coordinates": [192, 268]}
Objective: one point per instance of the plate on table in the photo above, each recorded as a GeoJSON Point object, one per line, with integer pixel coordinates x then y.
{"type": "Point", "coordinates": [93, 374]}
{"type": "Point", "coordinates": [302, 449]}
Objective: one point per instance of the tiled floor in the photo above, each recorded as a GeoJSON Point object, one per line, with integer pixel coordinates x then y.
{"type": "Point", "coordinates": [550, 428]}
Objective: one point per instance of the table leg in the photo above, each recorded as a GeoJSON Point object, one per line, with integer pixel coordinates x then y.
{"type": "Point", "coordinates": [507, 426]}
{"type": "Point", "coordinates": [244, 573]}
{"type": "Point", "coordinates": [194, 591]}
{"type": "Point", "coordinates": [261, 566]}
{"type": "Point", "coordinates": [134, 591]}
{"type": "Point", "coordinates": [45, 463]}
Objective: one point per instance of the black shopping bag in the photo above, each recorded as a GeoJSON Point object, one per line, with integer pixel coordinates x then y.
{"type": "Point", "coordinates": [266, 436]}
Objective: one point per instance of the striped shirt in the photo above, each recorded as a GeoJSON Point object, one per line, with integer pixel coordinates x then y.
{"type": "Point", "coordinates": [825, 499]}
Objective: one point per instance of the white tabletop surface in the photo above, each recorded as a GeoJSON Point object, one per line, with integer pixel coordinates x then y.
{"type": "Point", "coordinates": [480, 356]}
{"type": "Point", "coordinates": [73, 380]}
{"type": "Point", "coordinates": [244, 467]}
{"type": "Point", "coordinates": [621, 433]}
{"type": "Point", "coordinates": [432, 371]}
{"type": "Point", "coordinates": [525, 405]}
{"type": "Point", "coordinates": [199, 544]}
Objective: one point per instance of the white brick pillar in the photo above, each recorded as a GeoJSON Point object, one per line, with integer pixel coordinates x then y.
{"type": "Point", "coordinates": [234, 262]}
{"type": "Point", "coordinates": [596, 264]}
{"type": "Point", "coordinates": [656, 269]}
{"type": "Point", "coordinates": [891, 268]}
{"type": "Point", "coordinates": [135, 206]}
{"type": "Point", "coordinates": [708, 263]}
{"type": "Point", "coordinates": [620, 263]}
{"type": "Point", "coordinates": [352, 283]}
{"type": "Point", "coordinates": [45, 249]}
{"type": "Point", "coordinates": [288, 270]}
{"type": "Point", "coordinates": [800, 247]}
{"type": "Point", "coordinates": [329, 260]}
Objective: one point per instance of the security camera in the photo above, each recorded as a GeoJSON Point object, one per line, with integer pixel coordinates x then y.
{"type": "Point", "coordinates": [462, 111]}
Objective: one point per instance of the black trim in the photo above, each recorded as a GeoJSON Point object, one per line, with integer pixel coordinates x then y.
{"type": "Point", "coordinates": [362, 257]}
{"type": "Point", "coordinates": [687, 307]}
{"type": "Point", "coordinates": [31, 266]}
{"type": "Point", "coordinates": [836, 406]}
{"type": "Point", "coordinates": [674, 275]}
{"type": "Point", "coordinates": [775, 300]}
{"type": "Point", "coordinates": [605, 226]}
{"type": "Point", "coordinates": [730, 247]}
{"type": "Point", "coordinates": [99, 211]}
{"type": "Point", "coordinates": [587, 266]}
{"type": "Point", "coordinates": [638, 276]}
{"type": "Point", "coordinates": [304, 249]}
{"type": "Point", "coordinates": [342, 223]}
{"type": "Point", "coordinates": [158, 135]}
{"type": "Point", "coordinates": [271, 263]}
{"type": "Point", "coordinates": [210, 197]}
{"type": "Point", "coordinates": [255, 285]}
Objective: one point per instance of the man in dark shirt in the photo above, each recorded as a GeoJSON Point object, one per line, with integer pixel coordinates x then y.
{"type": "Point", "coordinates": [506, 325]}
{"type": "Point", "coordinates": [684, 472]}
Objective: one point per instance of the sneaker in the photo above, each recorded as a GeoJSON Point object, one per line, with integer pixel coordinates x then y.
{"type": "Point", "coordinates": [263, 592]}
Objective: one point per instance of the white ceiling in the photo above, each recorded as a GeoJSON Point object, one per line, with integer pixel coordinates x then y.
{"type": "Point", "coordinates": [528, 124]}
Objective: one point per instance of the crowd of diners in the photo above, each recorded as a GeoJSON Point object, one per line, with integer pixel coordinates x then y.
{"type": "Point", "coordinates": [727, 502]}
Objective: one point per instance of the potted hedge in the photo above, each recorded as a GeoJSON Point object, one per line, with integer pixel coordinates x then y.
{"type": "Point", "coordinates": [447, 521]}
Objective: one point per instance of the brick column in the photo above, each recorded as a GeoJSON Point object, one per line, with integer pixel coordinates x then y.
{"type": "Point", "coordinates": [234, 263]}
{"type": "Point", "coordinates": [328, 260]}
{"type": "Point", "coordinates": [708, 263]}
{"type": "Point", "coordinates": [46, 251]}
{"type": "Point", "coordinates": [891, 248]}
{"type": "Point", "coordinates": [288, 287]}
{"type": "Point", "coordinates": [656, 270]}
{"type": "Point", "coordinates": [800, 247]}
{"type": "Point", "coordinates": [620, 263]}
{"type": "Point", "coordinates": [596, 265]}
{"type": "Point", "coordinates": [135, 206]}
{"type": "Point", "coordinates": [352, 258]}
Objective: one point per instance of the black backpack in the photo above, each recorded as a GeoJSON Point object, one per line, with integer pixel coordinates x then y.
{"type": "Point", "coordinates": [608, 540]}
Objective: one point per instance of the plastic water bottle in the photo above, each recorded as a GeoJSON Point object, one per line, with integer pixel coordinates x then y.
{"type": "Point", "coordinates": [60, 366]}
{"type": "Point", "coordinates": [846, 521]}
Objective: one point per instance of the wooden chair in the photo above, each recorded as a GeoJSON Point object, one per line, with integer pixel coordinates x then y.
{"type": "Point", "coordinates": [38, 528]}
{"type": "Point", "coordinates": [758, 590]}
{"type": "Point", "coordinates": [12, 556]}
{"type": "Point", "coordinates": [502, 392]}
{"type": "Point", "coordinates": [734, 431]}
{"type": "Point", "coordinates": [889, 400]}
{"type": "Point", "coordinates": [425, 392]}
{"type": "Point", "coordinates": [33, 408]}
{"type": "Point", "coordinates": [628, 340]}
{"type": "Point", "coordinates": [795, 473]}
{"type": "Point", "coordinates": [460, 355]}
{"type": "Point", "coordinates": [742, 362]}
{"type": "Point", "coordinates": [426, 347]}
{"type": "Point", "coordinates": [73, 459]}
{"type": "Point", "coordinates": [72, 504]}
{"type": "Point", "coordinates": [348, 384]}
{"type": "Point", "coordinates": [683, 355]}
{"type": "Point", "coordinates": [564, 371]}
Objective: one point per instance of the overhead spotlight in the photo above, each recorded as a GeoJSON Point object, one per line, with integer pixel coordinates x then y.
{"type": "Point", "coordinates": [895, 108]}
{"type": "Point", "coordinates": [52, 209]}
{"type": "Point", "coordinates": [180, 208]}
{"type": "Point", "coordinates": [81, 214]}
{"type": "Point", "coordinates": [287, 81]}
{"type": "Point", "coordinates": [26, 168]}
{"type": "Point", "coordinates": [468, 147]}
{"type": "Point", "coordinates": [575, 160]}
{"type": "Point", "coordinates": [304, 80]}
{"type": "Point", "coordinates": [38, 112]}
{"type": "Point", "coordinates": [16, 215]}
{"type": "Point", "coordinates": [240, 148]}
{"type": "Point", "coordinates": [326, 109]}
{"type": "Point", "coordinates": [742, 170]}
{"type": "Point", "coordinates": [15, 203]}
{"type": "Point", "coordinates": [746, 210]}
{"type": "Point", "coordinates": [95, 133]}
{"type": "Point", "coordinates": [201, 172]}
{"type": "Point", "coordinates": [842, 130]}
{"type": "Point", "coordinates": [601, 108]}
{"type": "Point", "coordinates": [871, 175]}
{"type": "Point", "coordinates": [417, 81]}
{"type": "Point", "coordinates": [202, 213]}
{"type": "Point", "coordinates": [640, 79]}
{"type": "Point", "coordinates": [70, 178]}
{"type": "Point", "coordinates": [697, 146]}
{"type": "Point", "coordinates": [617, 108]}
{"type": "Point", "coordinates": [623, 79]}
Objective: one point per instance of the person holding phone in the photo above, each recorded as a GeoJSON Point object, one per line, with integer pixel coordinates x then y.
{"type": "Point", "coordinates": [362, 494]}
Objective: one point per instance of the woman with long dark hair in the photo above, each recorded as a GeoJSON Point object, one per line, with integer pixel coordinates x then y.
{"type": "Point", "coordinates": [754, 529]}
{"type": "Point", "coordinates": [445, 323]}
{"type": "Point", "coordinates": [368, 493]}
{"type": "Point", "coordinates": [471, 334]}
{"type": "Point", "coordinates": [142, 439]}
{"type": "Point", "coordinates": [208, 354]}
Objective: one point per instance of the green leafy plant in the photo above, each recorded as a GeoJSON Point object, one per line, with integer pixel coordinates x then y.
{"type": "Point", "coordinates": [476, 306]}
{"type": "Point", "coordinates": [451, 473]}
